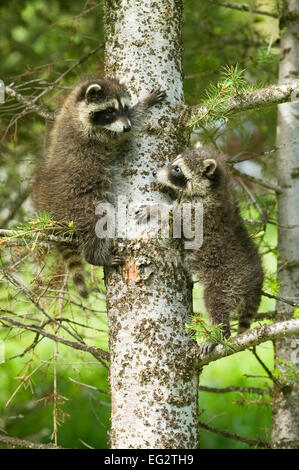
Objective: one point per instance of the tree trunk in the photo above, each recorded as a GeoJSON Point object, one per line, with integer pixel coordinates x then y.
{"type": "Point", "coordinates": [149, 300]}
{"type": "Point", "coordinates": [285, 432]}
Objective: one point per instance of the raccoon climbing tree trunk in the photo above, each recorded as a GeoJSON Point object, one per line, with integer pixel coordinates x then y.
{"type": "Point", "coordinates": [285, 432]}
{"type": "Point", "coordinates": [149, 299]}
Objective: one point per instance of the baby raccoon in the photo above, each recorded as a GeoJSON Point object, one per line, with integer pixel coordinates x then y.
{"type": "Point", "coordinates": [227, 264]}
{"type": "Point", "coordinates": [88, 136]}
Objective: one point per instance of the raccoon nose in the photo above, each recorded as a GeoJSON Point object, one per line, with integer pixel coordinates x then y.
{"type": "Point", "coordinates": [127, 128]}
{"type": "Point", "coordinates": [155, 173]}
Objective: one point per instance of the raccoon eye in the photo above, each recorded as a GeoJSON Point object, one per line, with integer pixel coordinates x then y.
{"type": "Point", "coordinates": [110, 110]}
{"type": "Point", "coordinates": [177, 170]}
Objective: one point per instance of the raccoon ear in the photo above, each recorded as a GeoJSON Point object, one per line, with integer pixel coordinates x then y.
{"type": "Point", "coordinates": [92, 90]}
{"type": "Point", "coordinates": [210, 166]}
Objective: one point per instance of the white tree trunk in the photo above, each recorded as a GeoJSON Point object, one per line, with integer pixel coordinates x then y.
{"type": "Point", "coordinates": [149, 300]}
{"type": "Point", "coordinates": [285, 433]}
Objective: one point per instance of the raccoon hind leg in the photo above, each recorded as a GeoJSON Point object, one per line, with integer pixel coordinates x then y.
{"type": "Point", "coordinates": [73, 262]}
{"type": "Point", "coordinates": [247, 311]}
{"type": "Point", "coordinates": [219, 304]}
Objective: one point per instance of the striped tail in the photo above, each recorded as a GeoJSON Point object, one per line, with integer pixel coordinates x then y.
{"type": "Point", "coordinates": [73, 261]}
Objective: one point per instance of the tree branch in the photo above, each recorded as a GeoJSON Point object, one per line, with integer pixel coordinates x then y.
{"type": "Point", "coordinates": [15, 442]}
{"type": "Point", "coordinates": [231, 388]}
{"type": "Point", "coordinates": [250, 442]}
{"type": "Point", "coordinates": [246, 340]}
{"type": "Point", "coordinates": [255, 99]}
{"type": "Point", "coordinates": [10, 235]}
{"type": "Point", "coordinates": [243, 7]}
{"type": "Point", "coordinates": [98, 353]}
{"type": "Point", "coordinates": [258, 181]}
{"type": "Point", "coordinates": [29, 104]}
{"type": "Point", "coordinates": [293, 303]}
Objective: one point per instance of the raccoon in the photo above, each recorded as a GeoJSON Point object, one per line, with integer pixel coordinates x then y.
{"type": "Point", "coordinates": [89, 134]}
{"type": "Point", "coordinates": [227, 264]}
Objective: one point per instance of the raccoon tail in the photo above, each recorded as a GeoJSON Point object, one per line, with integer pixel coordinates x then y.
{"type": "Point", "coordinates": [73, 262]}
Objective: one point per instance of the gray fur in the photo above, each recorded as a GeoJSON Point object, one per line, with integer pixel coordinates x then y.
{"type": "Point", "coordinates": [76, 173]}
{"type": "Point", "coordinates": [228, 264]}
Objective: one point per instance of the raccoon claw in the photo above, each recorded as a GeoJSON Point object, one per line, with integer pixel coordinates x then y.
{"type": "Point", "coordinates": [116, 260]}
{"type": "Point", "coordinates": [142, 214]}
{"type": "Point", "coordinates": [207, 347]}
{"type": "Point", "coordinates": [156, 96]}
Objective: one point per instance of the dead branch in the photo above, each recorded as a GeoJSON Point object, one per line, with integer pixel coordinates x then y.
{"type": "Point", "coordinates": [258, 181]}
{"type": "Point", "coordinates": [243, 7]}
{"type": "Point", "coordinates": [30, 104]}
{"type": "Point", "coordinates": [98, 353]}
{"type": "Point", "coordinates": [231, 388]}
{"type": "Point", "coordinates": [15, 442]}
{"type": "Point", "coordinates": [230, 435]}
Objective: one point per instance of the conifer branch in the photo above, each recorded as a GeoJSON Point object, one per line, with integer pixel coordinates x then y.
{"type": "Point", "coordinates": [246, 340]}
{"type": "Point", "coordinates": [226, 105]}
{"type": "Point", "coordinates": [7, 236]}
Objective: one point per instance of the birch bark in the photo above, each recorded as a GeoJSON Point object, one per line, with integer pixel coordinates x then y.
{"type": "Point", "coordinates": [153, 383]}
{"type": "Point", "coordinates": [285, 432]}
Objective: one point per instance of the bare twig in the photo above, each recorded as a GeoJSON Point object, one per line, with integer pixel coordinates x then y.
{"type": "Point", "coordinates": [293, 303]}
{"type": "Point", "coordinates": [70, 69]}
{"type": "Point", "coordinates": [259, 391]}
{"type": "Point", "coordinates": [92, 387]}
{"type": "Point", "coordinates": [35, 302]}
{"type": "Point", "coordinates": [15, 442]}
{"type": "Point", "coordinates": [266, 369]}
{"type": "Point", "coordinates": [243, 7]}
{"type": "Point", "coordinates": [257, 181]}
{"type": "Point", "coordinates": [29, 104]}
{"type": "Point", "coordinates": [250, 442]}
{"type": "Point", "coordinates": [98, 353]}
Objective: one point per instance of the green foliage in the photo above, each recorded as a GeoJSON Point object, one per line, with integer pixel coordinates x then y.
{"type": "Point", "coordinates": [214, 104]}
{"type": "Point", "coordinates": [203, 332]}
{"type": "Point", "coordinates": [38, 43]}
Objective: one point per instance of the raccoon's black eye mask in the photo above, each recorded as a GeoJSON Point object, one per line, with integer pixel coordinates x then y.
{"type": "Point", "coordinates": [101, 118]}
{"type": "Point", "coordinates": [177, 177]}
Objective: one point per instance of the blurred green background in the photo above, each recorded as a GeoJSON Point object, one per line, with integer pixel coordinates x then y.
{"type": "Point", "coordinates": [40, 40]}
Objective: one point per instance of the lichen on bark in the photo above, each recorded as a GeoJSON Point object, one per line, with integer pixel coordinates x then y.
{"type": "Point", "coordinates": [149, 300]}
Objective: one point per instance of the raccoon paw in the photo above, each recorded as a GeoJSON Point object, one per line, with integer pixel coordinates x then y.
{"type": "Point", "coordinates": [156, 96]}
{"type": "Point", "coordinates": [142, 214]}
{"type": "Point", "coordinates": [116, 260]}
{"type": "Point", "coordinates": [207, 347]}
